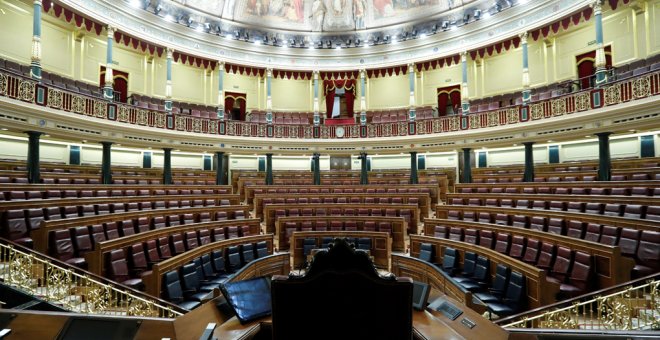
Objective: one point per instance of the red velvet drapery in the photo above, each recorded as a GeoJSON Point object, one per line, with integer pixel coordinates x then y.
{"type": "Point", "coordinates": [329, 89]}
{"type": "Point", "coordinates": [120, 83]}
{"type": "Point", "coordinates": [232, 99]}
{"type": "Point", "coordinates": [586, 65]}
{"type": "Point", "coordinates": [445, 96]}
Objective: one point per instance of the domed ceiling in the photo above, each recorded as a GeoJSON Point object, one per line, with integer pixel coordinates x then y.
{"type": "Point", "coordinates": [324, 34]}
{"type": "Point", "coordinates": [317, 15]}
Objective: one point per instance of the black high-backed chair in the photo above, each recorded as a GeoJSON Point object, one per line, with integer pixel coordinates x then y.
{"type": "Point", "coordinates": [481, 275]}
{"type": "Point", "coordinates": [174, 293]}
{"type": "Point", "coordinates": [353, 292]}
{"type": "Point", "coordinates": [514, 297]}
{"type": "Point", "coordinates": [496, 290]}
{"type": "Point", "coordinates": [449, 261]}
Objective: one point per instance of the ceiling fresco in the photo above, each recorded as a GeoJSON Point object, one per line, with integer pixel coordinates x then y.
{"type": "Point", "coordinates": [314, 15]}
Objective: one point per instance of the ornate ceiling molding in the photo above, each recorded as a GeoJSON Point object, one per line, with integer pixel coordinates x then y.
{"type": "Point", "coordinates": [141, 24]}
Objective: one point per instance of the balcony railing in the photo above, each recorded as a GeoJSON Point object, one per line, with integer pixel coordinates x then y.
{"type": "Point", "coordinates": [629, 89]}
{"type": "Point", "coordinates": [635, 306]}
{"type": "Point", "coordinates": [75, 290]}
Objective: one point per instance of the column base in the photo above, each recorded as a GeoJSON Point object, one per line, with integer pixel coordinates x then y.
{"type": "Point", "coordinates": [35, 71]}
{"type": "Point", "coordinates": [601, 76]}
{"type": "Point", "coordinates": [168, 106]}
{"type": "Point", "coordinates": [108, 93]}
{"type": "Point", "coordinates": [526, 96]}
{"type": "Point", "coordinates": [412, 115]}
{"type": "Point", "coordinates": [465, 106]}
{"type": "Point", "coordinates": [221, 114]}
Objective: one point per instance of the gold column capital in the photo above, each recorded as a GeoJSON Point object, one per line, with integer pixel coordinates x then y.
{"type": "Point", "coordinates": [523, 37]}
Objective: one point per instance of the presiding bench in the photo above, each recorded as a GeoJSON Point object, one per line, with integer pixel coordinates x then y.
{"type": "Point", "coordinates": [409, 211]}
{"type": "Point", "coordinates": [395, 226]}
{"type": "Point", "coordinates": [381, 245]}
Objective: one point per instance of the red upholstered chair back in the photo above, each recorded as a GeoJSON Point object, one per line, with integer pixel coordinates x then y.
{"type": "Point", "coordinates": [60, 246]}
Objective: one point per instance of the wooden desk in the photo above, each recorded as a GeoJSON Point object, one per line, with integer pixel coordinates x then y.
{"type": "Point", "coordinates": [270, 209]}
{"type": "Point", "coordinates": [95, 257]}
{"type": "Point", "coordinates": [611, 267]}
{"type": "Point", "coordinates": [40, 236]}
{"type": "Point", "coordinates": [399, 227]}
{"type": "Point", "coordinates": [438, 191]}
{"type": "Point", "coordinates": [381, 245]}
{"type": "Point", "coordinates": [153, 281]}
{"type": "Point", "coordinates": [423, 199]}
{"type": "Point", "coordinates": [540, 291]}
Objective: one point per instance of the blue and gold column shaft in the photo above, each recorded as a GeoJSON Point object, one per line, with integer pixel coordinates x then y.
{"type": "Point", "coordinates": [35, 55]}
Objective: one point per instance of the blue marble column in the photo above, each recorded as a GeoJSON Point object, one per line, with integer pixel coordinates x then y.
{"type": "Point", "coordinates": [269, 100]}
{"type": "Point", "coordinates": [601, 64]}
{"type": "Point", "coordinates": [411, 79]}
{"type": "Point", "coordinates": [528, 175]}
{"type": "Point", "coordinates": [526, 92]}
{"type": "Point", "coordinates": [221, 91]}
{"type": "Point", "coordinates": [364, 176]}
{"type": "Point", "coordinates": [168, 84]}
{"type": "Point", "coordinates": [35, 55]}
{"type": "Point", "coordinates": [108, 92]}
{"type": "Point", "coordinates": [465, 103]}
{"type": "Point", "coordinates": [363, 100]}
{"type": "Point", "coordinates": [34, 176]}
{"type": "Point", "coordinates": [317, 117]}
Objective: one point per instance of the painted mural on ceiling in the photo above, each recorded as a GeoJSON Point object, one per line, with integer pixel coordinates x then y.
{"type": "Point", "coordinates": [320, 15]}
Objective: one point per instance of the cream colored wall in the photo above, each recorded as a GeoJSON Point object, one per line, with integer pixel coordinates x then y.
{"type": "Point", "coordinates": [91, 155]}
{"type": "Point", "coordinates": [180, 160]}
{"type": "Point", "coordinates": [498, 75]}
{"type": "Point", "coordinates": [292, 95]}
{"type": "Point", "coordinates": [512, 156]}
{"type": "Point", "coordinates": [620, 147]}
{"type": "Point", "coordinates": [291, 163]}
{"type": "Point", "coordinates": [651, 27]}
{"type": "Point", "coordinates": [388, 92]}
{"type": "Point", "coordinates": [384, 162]}
{"type": "Point", "coordinates": [441, 160]}
{"type": "Point", "coordinates": [239, 162]}
{"type": "Point", "coordinates": [16, 28]}
{"type": "Point", "coordinates": [13, 147]}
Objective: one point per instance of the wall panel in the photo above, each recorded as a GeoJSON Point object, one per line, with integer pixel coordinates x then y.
{"type": "Point", "coordinates": [292, 95]}
{"type": "Point", "coordinates": [388, 92]}
{"type": "Point", "coordinates": [499, 72]}
{"type": "Point", "coordinates": [16, 28]}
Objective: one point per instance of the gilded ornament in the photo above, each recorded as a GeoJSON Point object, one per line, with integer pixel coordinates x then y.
{"type": "Point", "coordinates": [4, 83]}
{"type": "Point", "coordinates": [26, 90]}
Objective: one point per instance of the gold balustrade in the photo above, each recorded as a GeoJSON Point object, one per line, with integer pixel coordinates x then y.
{"type": "Point", "coordinates": [75, 291]}
{"type": "Point", "coordinates": [636, 307]}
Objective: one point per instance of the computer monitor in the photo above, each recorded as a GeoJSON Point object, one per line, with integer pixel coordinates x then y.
{"type": "Point", "coordinates": [421, 292]}
{"type": "Point", "coordinates": [250, 299]}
